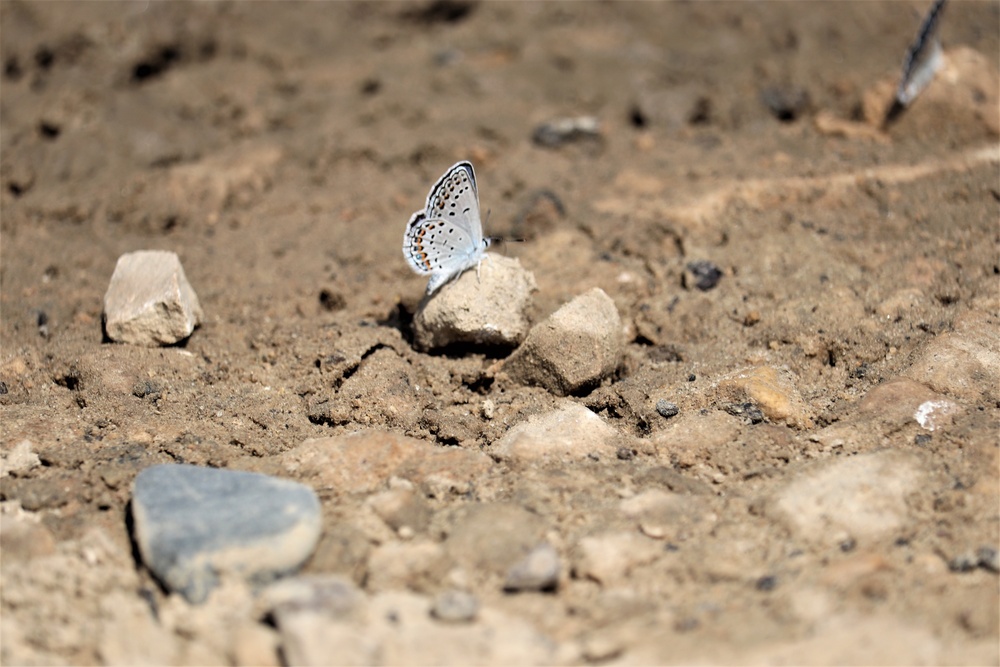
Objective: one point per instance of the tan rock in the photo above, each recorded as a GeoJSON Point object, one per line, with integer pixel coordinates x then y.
{"type": "Point", "coordinates": [770, 389]}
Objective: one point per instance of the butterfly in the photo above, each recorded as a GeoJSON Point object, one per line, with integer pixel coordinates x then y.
{"type": "Point", "coordinates": [446, 237]}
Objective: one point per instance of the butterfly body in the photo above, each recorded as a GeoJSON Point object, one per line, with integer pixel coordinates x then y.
{"type": "Point", "coordinates": [446, 238]}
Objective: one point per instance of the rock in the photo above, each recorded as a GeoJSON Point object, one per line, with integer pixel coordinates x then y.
{"type": "Point", "coordinates": [964, 363]}
{"type": "Point", "coordinates": [555, 133]}
{"type": "Point", "coordinates": [490, 538]}
{"type": "Point", "coordinates": [149, 300]}
{"type": "Point", "coordinates": [770, 389]}
{"type": "Point", "coordinates": [193, 525]}
{"type": "Point", "coordinates": [362, 463]}
{"type": "Point", "coordinates": [453, 606]}
{"type": "Point", "coordinates": [572, 349]}
{"type": "Point", "coordinates": [419, 565]}
{"type": "Point", "coordinates": [609, 558]}
{"type": "Point", "coordinates": [402, 508]}
{"type": "Point", "coordinates": [334, 596]}
{"type": "Point", "coordinates": [862, 497]}
{"type": "Point", "coordinates": [571, 433]}
{"type": "Point", "coordinates": [666, 516]}
{"type": "Point", "coordinates": [20, 458]}
{"type": "Point", "coordinates": [666, 409]}
{"type": "Point", "coordinates": [488, 309]}
{"type": "Point", "coordinates": [538, 571]}
{"type": "Point", "coordinates": [702, 274]}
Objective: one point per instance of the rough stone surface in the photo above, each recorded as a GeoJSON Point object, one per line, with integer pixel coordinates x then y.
{"type": "Point", "coordinates": [852, 499]}
{"type": "Point", "coordinates": [149, 300]}
{"type": "Point", "coordinates": [194, 525]}
{"type": "Point", "coordinates": [770, 389]}
{"type": "Point", "coordinates": [573, 348]}
{"type": "Point", "coordinates": [485, 310]}
{"type": "Point", "coordinates": [570, 433]}
{"type": "Point", "coordinates": [962, 362]}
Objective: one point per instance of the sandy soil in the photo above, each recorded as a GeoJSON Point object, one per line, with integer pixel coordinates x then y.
{"type": "Point", "coordinates": [279, 150]}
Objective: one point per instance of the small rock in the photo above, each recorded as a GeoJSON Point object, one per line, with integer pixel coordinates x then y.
{"type": "Point", "coordinates": [334, 596]}
{"type": "Point", "coordinates": [149, 300]}
{"type": "Point", "coordinates": [933, 415]}
{"type": "Point", "coordinates": [538, 571]}
{"type": "Point", "coordinates": [609, 558]}
{"type": "Point", "coordinates": [786, 102]}
{"type": "Point", "coordinates": [555, 133]}
{"type": "Point", "coordinates": [964, 562]}
{"type": "Point", "coordinates": [571, 433]}
{"type": "Point", "coordinates": [455, 606]}
{"type": "Point", "coordinates": [666, 409]}
{"type": "Point", "coordinates": [492, 537]}
{"type": "Point", "coordinates": [21, 458]}
{"type": "Point", "coordinates": [703, 275]}
{"type": "Point", "coordinates": [964, 363]}
{"type": "Point", "coordinates": [401, 508]}
{"type": "Point", "coordinates": [988, 558]}
{"type": "Point", "coordinates": [194, 524]}
{"type": "Point", "coordinates": [771, 390]}
{"type": "Point", "coordinates": [602, 647]}
{"type": "Point", "coordinates": [418, 565]}
{"type": "Point", "coordinates": [863, 496]}
{"type": "Point", "coordinates": [574, 348]}
{"type": "Point", "coordinates": [489, 308]}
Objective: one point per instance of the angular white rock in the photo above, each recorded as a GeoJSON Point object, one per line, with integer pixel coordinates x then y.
{"type": "Point", "coordinates": [149, 300]}
{"type": "Point", "coordinates": [573, 348]}
{"type": "Point", "coordinates": [485, 309]}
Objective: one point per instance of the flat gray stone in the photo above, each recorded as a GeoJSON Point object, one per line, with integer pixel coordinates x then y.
{"type": "Point", "coordinates": [572, 349]}
{"type": "Point", "coordinates": [194, 525]}
{"type": "Point", "coordinates": [488, 309]}
{"type": "Point", "coordinates": [149, 300]}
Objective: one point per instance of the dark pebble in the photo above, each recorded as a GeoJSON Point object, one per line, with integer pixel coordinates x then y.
{"type": "Point", "coordinates": [666, 409]}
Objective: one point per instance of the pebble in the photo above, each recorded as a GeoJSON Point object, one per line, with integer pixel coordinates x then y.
{"type": "Point", "coordinates": [555, 133]}
{"type": "Point", "coordinates": [703, 275]}
{"type": "Point", "coordinates": [666, 409]}
{"type": "Point", "coordinates": [491, 538]}
{"type": "Point", "coordinates": [20, 458]}
{"type": "Point", "coordinates": [538, 571]}
{"type": "Point", "coordinates": [570, 433]}
{"type": "Point", "coordinates": [194, 524]}
{"type": "Point", "coordinates": [455, 606]}
{"type": "Point", "coordinates": [609, 558]}
{"type": "Point", "coordinates": [335, 596]}
{"type": "Point", "coordinates": [149, 300]}
{"type": "Point", "coordinates": [489, 309]}
{"type": "Point", "coordinates": [572, 349]}
{"type": "Point", "coordinates": [964, 363]}
{"type": "Point", "coordinates": [401, 508]}
{"type": "Point", "coordinates": [988, 558]}
{"type": "Point", "coordinates": [860, 497]}
{"type": "Point", "coordinates": [772, 391]}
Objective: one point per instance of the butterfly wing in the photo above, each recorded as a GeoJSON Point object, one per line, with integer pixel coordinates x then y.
{"type": "Point", "coordinates": [455, 198]}
{"type": "Point", "coordinates": [437, 247]}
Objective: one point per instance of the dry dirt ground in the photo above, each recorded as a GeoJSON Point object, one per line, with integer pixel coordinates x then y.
{"type": "Point", "coordinates": [280, 149]}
